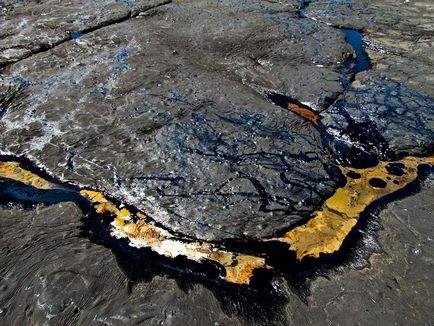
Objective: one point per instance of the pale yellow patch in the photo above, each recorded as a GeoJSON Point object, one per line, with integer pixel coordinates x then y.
{"type": "Point", "coordinates": [329, 226]}
{"type": "Point", "coordinates": [243, 267]}
{"type": "Point", "coordinates": [12, 170]}
{"type": "Point", "coordinates": [94, 196]}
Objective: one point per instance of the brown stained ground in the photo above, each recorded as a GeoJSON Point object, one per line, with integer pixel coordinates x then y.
{"type": "Point", "coordinates": [323, 234]}
{"type": "Point", "coordinates": [306, 113]}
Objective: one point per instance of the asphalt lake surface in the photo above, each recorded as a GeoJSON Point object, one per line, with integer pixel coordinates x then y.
{"type": "Point", "coordinates": [60, 263]}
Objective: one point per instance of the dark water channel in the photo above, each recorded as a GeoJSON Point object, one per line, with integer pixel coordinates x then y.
{"type": "Point", "coordinates": [361, 62]}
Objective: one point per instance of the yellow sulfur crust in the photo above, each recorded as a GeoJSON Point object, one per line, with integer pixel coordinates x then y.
{"type": "Point", "coordinates": [330, 225]}
{"type": "Point", "coordinates": [239, 268]}
{"type": "Point", "coordinates": [12, 170]}
{"type": "Point", "coordinates": [324, 233]}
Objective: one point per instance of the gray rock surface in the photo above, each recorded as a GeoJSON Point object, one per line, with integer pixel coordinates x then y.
{"type": "Point", "coordinates": [50, 275]}
{"type": "Point", "coordinates": [10, 91]}
{"type": "Point", "coordinates": [396, 96]}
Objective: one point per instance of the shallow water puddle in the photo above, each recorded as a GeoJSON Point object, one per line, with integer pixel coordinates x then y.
{"type": "Point", "coordinates": [361, 62]}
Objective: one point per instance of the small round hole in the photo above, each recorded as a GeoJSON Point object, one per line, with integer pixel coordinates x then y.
{"type": "Point", "coordinates": [395, 169]}
{"type": "Point", "coordinates": [354, 175]}
{"type": "Point", "coordinates": [377, 183]}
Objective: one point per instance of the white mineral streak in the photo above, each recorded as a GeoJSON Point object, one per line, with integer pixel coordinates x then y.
{"type": "Point", "coordinates": [169, 247]}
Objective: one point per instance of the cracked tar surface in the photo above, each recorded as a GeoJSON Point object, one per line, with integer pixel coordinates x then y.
{"type": "Point", "coordinates": [170, 115]}
{"type": "Point", "coordinates": [168, 111]}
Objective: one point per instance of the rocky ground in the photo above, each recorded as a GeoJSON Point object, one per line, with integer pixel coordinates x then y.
{"type": "Point", "coordinates": [166, 105]}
